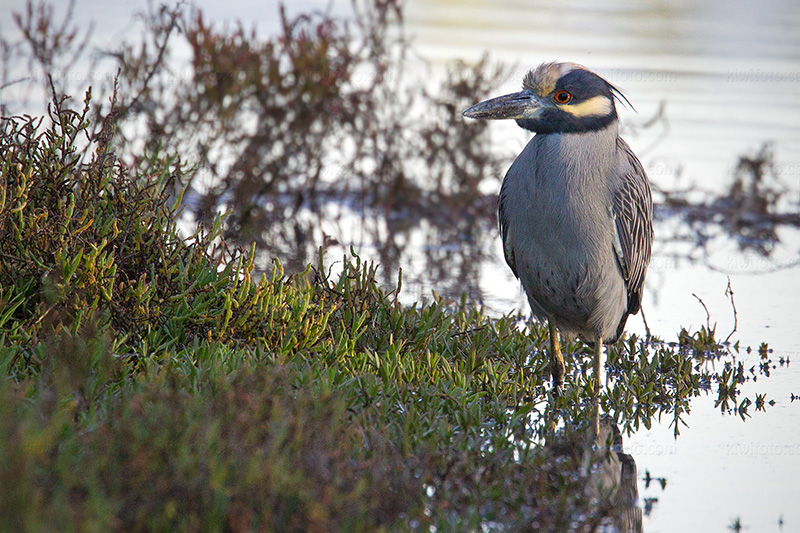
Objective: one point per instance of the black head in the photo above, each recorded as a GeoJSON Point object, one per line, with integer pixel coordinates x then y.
{"type": "Point", "coordinates": [556, 98]}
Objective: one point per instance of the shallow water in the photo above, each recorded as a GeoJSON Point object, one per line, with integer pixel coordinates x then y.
{"type": "Point", "coordinates": [729, 75]}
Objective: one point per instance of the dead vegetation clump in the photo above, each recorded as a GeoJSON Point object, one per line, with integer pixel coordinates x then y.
{"type": "Point", "coordinates": [750, 210]}
{"type": "Point", "coordinates": [301, 133]}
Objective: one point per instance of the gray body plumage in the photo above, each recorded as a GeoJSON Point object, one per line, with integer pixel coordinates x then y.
{"type": "Point", "coordinates": [567, 211]}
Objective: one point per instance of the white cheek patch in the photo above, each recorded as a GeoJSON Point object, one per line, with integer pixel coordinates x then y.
{"type": "Point", "coordinates": [598, 106]}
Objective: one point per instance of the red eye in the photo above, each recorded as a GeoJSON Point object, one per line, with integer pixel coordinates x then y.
{"type": "Point", "coordinates": [562, 97]}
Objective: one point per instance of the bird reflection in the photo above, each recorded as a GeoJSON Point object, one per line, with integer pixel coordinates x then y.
{"type": "Point", "coordinates": [610, 474]}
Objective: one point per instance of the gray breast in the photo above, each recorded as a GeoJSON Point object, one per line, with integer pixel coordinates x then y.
{"type": "Point", "coordinates": [559, 233]}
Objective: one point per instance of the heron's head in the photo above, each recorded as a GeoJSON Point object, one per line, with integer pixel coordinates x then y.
{"type": "Point", "coordinates": [555, 98]}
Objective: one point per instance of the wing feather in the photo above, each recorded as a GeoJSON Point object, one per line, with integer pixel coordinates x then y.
{"type": "Point", "coordinates": [633, 215]}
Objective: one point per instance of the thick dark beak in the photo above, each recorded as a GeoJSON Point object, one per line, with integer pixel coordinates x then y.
{"type": "Point", "coordinates": [524, 104]}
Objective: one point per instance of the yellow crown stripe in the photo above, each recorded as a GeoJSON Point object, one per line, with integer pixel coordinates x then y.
{"type": "Point", "coordinates": [597, 106]}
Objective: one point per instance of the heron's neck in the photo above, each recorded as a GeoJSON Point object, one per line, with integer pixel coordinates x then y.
{"type": "Point", "coordinates": [587, 154]}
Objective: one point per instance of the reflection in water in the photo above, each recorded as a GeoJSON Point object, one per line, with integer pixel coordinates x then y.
{"type": "Point", "coordinates": [609, 473]}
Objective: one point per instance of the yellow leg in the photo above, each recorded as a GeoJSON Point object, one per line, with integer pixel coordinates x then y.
{"type": "Point", "coordinates": [598, 353]}
{"type": "Point", "coordinates": [556, 361]}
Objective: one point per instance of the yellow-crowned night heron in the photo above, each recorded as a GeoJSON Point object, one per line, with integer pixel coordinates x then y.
{"type": "Point", "coordinates": [575, 208]}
